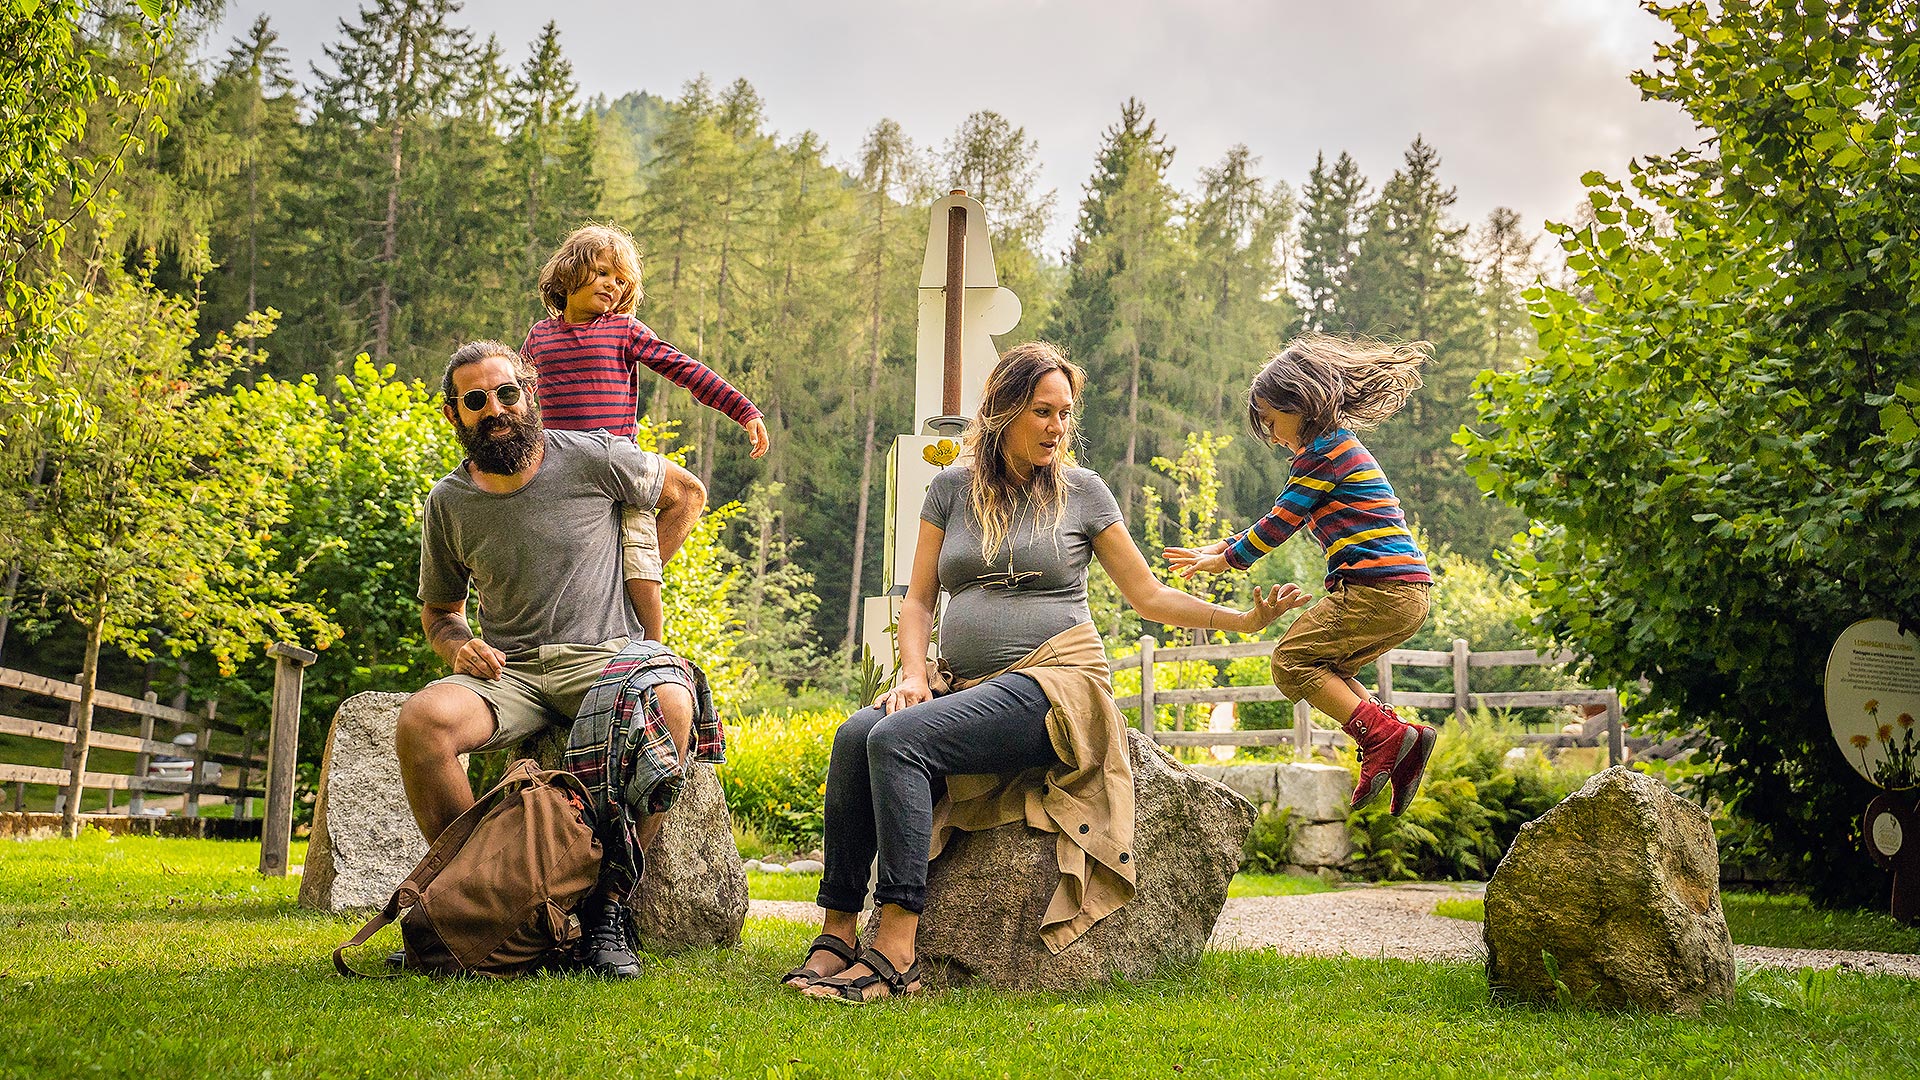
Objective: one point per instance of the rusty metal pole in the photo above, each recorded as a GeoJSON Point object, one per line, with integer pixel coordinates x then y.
{"type": "Point", "coordinates": [955, 294]}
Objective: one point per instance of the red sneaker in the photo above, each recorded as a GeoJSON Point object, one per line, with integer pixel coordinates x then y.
{"type": "Point", "coordinates": [1412, 768]}
{"type": "Point", "coordinates": [1384, 741]}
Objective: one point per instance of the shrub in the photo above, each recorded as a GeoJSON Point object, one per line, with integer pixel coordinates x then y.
{"type": "Point", "coordinates": [775, 775]}
{"type": "Point", "coordinates": [1269, 846]}
{"type": "Point", "coordinates": [1258, 715]}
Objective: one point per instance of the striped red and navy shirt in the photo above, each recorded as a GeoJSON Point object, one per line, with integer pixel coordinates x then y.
{"type": "Point", "coordinates": [1338, 490]}
{"type": "Point", "coordinates": [586, 374]}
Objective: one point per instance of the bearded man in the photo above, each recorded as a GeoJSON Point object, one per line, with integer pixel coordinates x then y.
{"type": "Point", "coordinates": [531, 519]}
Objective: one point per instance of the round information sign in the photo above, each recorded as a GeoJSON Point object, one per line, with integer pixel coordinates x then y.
{"type": "Point", "coordinates": [1887, 835]}
{"type": "Point", "coordinates": [1873, 696]}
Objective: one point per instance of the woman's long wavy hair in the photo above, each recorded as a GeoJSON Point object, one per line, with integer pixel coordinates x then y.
{"type": "Point", "coordinates": [1330, 381]}
{"type": "Point", "coordinates": [996, 494]}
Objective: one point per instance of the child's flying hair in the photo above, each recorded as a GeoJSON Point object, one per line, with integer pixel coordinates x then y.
{"type": "Point", "coordinates": [1330, 381]}
{"type": "Point", "coordinates": [572, 264]}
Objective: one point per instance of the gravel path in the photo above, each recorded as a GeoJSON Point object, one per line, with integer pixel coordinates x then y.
{"type": "Point", "coordinates": [1397, 922]}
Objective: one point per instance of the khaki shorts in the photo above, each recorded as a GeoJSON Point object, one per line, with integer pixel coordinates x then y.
{"type": "Point", "coordinates": [639, 544]}
{"type": "Point", "coordinates": [1350, 627]}
{"type": "Point", "coordinates": [538, 689]}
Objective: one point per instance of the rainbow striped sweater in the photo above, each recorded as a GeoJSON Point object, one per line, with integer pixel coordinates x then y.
{"type": "Point", "coordinates": [1339, 492]}
{"type": "Point", "coordinates": [586, 374]}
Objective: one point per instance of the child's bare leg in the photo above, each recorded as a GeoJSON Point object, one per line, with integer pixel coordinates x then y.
{"type": "Point", "coordinates": [1337, 697]}
{"type": "Point", "coordinates": [640, 559]}
{"type": "Point", "coordinates": [644, 595]}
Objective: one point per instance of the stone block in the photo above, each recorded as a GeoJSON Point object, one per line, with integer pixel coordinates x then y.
{"type": "Point", "coordinates": [1620, 885]}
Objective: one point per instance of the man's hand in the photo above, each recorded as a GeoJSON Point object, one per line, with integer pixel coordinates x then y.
{"type": "Point", "coordinates": [757, 433]}
{"type": "Point", "coordinates": [1187, 562]}
{"type": "Point", "coordinates": [480, 660]}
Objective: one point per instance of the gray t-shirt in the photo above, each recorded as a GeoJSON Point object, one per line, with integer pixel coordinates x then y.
{"type": "Point", "coordinates": [545, 559]}
{"type": "Point", "coordinates": [1036, 584]}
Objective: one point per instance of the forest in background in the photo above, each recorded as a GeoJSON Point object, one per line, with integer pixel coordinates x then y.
{"type": "Point", "coordinates": [398, 199]}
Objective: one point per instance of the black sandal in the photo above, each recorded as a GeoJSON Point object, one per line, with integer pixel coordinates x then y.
{"type": "Point", "coordinates": [854, 991]}
{"type": "Point", "coordinates": [825, 943]}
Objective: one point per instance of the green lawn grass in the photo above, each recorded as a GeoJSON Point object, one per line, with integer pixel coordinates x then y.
{"type": "Point", "coordinates": [1782, 922]}
{"type": "Point", "coordinates": [141, 957]}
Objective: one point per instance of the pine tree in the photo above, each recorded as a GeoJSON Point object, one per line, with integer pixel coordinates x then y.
{"type": "Point", "coordinates": [1504, 265]}
{"type": "Point", "coordinates": [1411, 279]}
{"type": "Point", "coordinates": [997, 163]}
{"type": "Point", "coordinates": [1335, 206]}
{"type": "Point", "coordinates": [885, 165]}
{"type": "Point", "coordinates": [396, 71]}
{"type": "Point", "coordinates": [1120, 315]}
{"type": "Point", "coordinates": [552, 149]}
{"type": "Point", "coordinates": [1241, 311]}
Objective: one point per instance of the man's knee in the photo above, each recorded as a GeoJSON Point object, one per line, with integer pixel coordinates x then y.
{"type": "Point", "coordinates": [676, 708]}
{"type": "Point", "coordinates": [681, 488]}
{"type": "Point", "coordinates": [441, 721]}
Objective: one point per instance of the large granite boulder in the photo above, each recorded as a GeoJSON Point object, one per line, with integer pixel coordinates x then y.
{"type": "Point", "coordinates": [694, 891]}
{"type": "Point", "coordinates": [1620, 885]}
{"type": "Point", "coordinates": [1314, 794]}
{"type": "Point", "coordinates": [364, 838]}
{"type": "Point", "coordinates": [987, 890]}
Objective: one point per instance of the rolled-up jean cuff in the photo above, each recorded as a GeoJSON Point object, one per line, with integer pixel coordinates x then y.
{"type": "Point", "coordinates": [840, 903]}
{"type": "Point", "coordinates": [1303, 682]}
{"type": "Point", "coordinates": [911, 897]}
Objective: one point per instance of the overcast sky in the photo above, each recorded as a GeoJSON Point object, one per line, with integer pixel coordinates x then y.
{"type": "Point", "coordinates": [1519, 96]}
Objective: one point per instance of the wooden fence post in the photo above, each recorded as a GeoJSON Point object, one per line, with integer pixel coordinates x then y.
{"type": "Point", "coordinates": [245, 809]}
{"type": "Point", "coordinates": [283, 744]}
{"type": "Point", "coordinates": [1616, 734]}
{"type": "Point", "coordinates": [137, 799]}
{"type": "Point", "coordinates": [67, 758]}
{"type": "Point", "coordinates": [200, 740]}
{"type": "Point", "coordinates": [1460, 699]}
{"type": "Point", "coordinates": [1302, 730]}
{"type": "Point", "coordinates": [1147, 718]}
{"type": "Point", "coordinates": [1385, 692]}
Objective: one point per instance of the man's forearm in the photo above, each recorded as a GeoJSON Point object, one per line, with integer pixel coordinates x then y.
{"type": "Point", "coordinates": [446, 632]}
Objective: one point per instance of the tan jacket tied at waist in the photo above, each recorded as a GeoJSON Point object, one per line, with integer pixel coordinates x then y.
{"type": "Point", "coordinates": [1086, 798]}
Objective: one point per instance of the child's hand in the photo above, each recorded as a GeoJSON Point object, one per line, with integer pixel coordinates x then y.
{"type": "Point", "coordinates": [1187, 562]}
{"type": "Point", "coordinates": [1271, 603]}
{"type": "Point", "coordinates": [757, 432]}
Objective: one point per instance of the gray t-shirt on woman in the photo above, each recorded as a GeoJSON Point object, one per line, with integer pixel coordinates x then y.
{"type": "Point", "coordinates": [1034, 587]}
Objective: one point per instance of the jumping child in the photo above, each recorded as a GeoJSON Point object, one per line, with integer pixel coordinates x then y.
{"type": "Point", "coordinates": [588, 356]}
{"type": "Point", "coordinates": [1310, 398]}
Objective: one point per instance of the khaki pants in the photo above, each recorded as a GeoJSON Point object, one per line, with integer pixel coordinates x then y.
{"type": "Point", "coordinates": [639, 544]}
{"type": "Point", "coordinates": [537, 689]}
{"type": "Point", "coordinates": [1350, 627]}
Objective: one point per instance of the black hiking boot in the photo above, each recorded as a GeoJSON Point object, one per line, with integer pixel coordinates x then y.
{"type": "Point", "coordinates": [606, 939]}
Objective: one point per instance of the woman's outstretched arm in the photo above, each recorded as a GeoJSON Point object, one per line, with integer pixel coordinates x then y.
{"type": "Point", "coordinates": [1158, 602]}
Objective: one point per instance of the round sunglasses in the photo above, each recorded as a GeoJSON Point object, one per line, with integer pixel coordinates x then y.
{"type": "Point", "coordinates": [507, 394]}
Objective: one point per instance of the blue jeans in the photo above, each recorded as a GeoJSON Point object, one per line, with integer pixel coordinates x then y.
{"type": "Point", "coordinates": [888, 769]}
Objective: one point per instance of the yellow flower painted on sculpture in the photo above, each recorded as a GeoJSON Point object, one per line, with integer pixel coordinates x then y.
{"type": "Point", "coordinates": [941, 453]}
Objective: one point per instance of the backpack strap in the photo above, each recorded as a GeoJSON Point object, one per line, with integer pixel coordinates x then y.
{"type": "Point", "coordinates": [520, 774]}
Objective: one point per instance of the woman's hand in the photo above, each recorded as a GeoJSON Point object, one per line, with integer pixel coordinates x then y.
{"type": "Point", "coordinates": [911, 691]}
{"type": "Point", "coordinates": [1269, 604]}
{"type": "Point", "coordinates": [1186, 562]}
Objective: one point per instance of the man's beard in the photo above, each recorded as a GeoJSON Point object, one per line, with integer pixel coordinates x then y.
{"type": "Point", "coordinates": [502, 455]}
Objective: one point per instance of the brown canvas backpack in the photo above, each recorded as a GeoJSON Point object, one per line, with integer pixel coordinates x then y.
{"type": "Point", "coordinates": [494, 893]}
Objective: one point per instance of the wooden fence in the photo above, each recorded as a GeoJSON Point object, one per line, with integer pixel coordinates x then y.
{"type": "Point", "coordinates": [271, 765]}
{"type": "Point", "coordinates": [1304, 735]}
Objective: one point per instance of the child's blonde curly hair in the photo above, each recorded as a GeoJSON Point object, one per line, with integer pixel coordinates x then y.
{"type": "Point", "coordinates": [1330, 381]}
{"type": "Point", "coordinates": [571, 266]}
